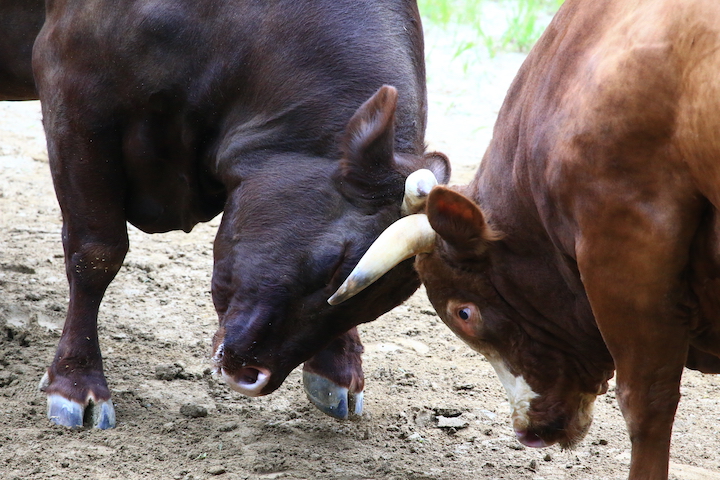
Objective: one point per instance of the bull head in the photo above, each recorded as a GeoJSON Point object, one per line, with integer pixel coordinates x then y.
{"type": "Point", "coordinates": [294, 229]}
{"type": "Point", "coordinates": [453, 243]}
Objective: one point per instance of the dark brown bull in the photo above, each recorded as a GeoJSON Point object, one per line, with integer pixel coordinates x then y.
{"type": "Point", "coordinates": [163, 114]}
{"type": "Point", "coordinates": [589, 241]}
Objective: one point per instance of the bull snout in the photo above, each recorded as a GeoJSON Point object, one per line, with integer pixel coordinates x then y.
{"type": "Point", "coordinates": [530, 439]}
{"type": "Point", "coordinates": [249, 380]}
{"type": "Point", "coordinates": [541, 427]}
{"type": "Point", "coordinates": [540, 435]}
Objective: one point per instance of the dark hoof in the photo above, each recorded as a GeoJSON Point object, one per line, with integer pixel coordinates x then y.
{"type": "Point", "coordinates": [72, 414]}
{"type": "Point", "coordinates": [332, 399]}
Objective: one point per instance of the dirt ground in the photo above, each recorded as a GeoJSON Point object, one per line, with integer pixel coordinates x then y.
{"type": "Point", "coordinates": [434, 409]}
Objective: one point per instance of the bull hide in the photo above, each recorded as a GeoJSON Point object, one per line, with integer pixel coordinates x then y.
{"type": "Point", "coordinates": [298, 119]}
{"type": "Point", "coordinates": [588, 243]}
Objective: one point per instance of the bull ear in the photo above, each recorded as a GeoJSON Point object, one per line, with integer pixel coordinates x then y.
{"type": "Point", "coordinates": [460, 223]}
{"type": "Point", "coordinates": [439, 164]}
{"type": "Point", "coordinates": [366, 168]}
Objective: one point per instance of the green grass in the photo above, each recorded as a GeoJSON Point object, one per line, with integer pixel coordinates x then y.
{"type": "Point", "coordinates": [446, 12]}
{"type": "Point", "coordinates": [523, 26]}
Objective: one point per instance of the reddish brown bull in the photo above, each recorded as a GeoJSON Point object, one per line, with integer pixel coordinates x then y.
{"type": "Point", "coordinates": [163, 114]}
{"type": "Point", "coordinates": [589, 240]}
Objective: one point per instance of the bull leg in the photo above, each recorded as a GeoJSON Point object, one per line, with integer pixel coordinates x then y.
{"type": "Point", "coordinates": [333, 378]}
{"type": "Point", "coordinates": [89, 185]}
{"type": "Point", "coordinates": [633, 277]}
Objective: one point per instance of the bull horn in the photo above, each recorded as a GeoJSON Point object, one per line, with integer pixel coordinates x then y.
{"type": "Point", "coordinates": [417, 187]}
{"type": "Point", "coordinates": [403, 239]}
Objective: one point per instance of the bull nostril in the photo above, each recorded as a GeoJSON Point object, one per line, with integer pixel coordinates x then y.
{"type": "Point", "coordinates": [248, 375]}
{"type": "Point", "coordinates": [247, 380]}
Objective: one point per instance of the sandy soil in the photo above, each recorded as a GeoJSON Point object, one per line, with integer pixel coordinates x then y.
{"type": "Point", "coordinates": [434, 409]}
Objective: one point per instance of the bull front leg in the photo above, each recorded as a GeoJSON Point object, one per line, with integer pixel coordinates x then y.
{"type": "Point", "coordinates": [90, 187]}
{"type": "Point", "coordinates": [84, 126]}
{"type": "Point", "coordinates": [333, 378]}
{"type": "Point", "coordinates": [633, 275]}
{"type": "Point", "coordinates": [75, 384]}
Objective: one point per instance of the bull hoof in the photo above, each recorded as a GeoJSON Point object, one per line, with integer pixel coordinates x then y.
{"type": "Point", "coordinates": [69, 413]}
{"type": "Point", "coordinates": [72, 414]}
{"type": "Point", "coordinates": [332, 399]}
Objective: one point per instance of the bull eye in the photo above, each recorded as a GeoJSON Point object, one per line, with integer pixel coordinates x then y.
{"type": "Point", "coordinates": [465, 313]}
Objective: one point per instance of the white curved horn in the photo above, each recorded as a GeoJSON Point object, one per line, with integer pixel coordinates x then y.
{"type": "Point", "coordinates": [403, 239]}
{"type": "Point", "coordinates": [417, 187]}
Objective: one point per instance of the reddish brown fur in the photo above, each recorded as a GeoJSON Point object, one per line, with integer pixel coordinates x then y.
{"type": "Point", "coordinates": [603, 176]}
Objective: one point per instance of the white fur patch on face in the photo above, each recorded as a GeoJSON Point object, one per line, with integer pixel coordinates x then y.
{"type": "Point", "coordinates": [518, 391]}
{"type": "Point", "coordinates": [585, 410]}
{"type": "Point", "coordinates": [217, 357]}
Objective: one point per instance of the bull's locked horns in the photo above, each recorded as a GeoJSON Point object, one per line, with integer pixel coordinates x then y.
{"type": "Point", "coordinates": [405, 238]}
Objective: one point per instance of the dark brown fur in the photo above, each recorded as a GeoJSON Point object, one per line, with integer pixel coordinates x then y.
{"type": "Point", "coordinates": [163, 114]}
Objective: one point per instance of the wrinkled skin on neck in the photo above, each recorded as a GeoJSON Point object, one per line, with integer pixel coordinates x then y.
{"type": "Point", "coordinates": [474, 278]}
